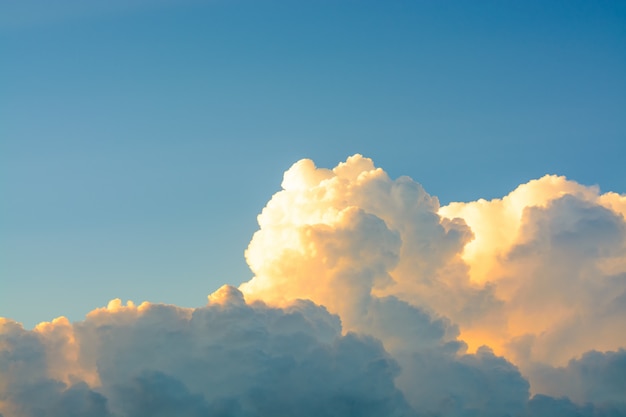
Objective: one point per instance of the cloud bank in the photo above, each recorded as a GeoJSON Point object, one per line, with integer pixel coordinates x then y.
{"type": "Point", "coordinates": [368, 299]}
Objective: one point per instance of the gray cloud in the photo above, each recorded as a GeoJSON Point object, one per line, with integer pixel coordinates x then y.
{"type": "Point", "coordinates": [228, 358]}
{"type": "Point", "coordinates": [597, 379]}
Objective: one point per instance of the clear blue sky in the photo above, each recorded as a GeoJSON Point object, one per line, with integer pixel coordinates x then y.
{"type": "Point", "coordinates": [140, 139]}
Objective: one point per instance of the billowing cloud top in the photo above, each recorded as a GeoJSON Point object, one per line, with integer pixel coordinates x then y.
{"type": "Point", "coordinates": [368, 299]}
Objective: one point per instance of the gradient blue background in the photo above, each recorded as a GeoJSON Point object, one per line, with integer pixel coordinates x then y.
{"type": "Point", "coordinates": [140, 139]}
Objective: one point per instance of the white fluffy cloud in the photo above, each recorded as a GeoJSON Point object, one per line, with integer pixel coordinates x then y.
{"type": "Point", "coordinates": [368, 299]}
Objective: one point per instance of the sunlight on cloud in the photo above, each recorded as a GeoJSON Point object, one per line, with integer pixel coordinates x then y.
{"type": "Point", "coordinates": [554, 251]}
{"type": "Point", "coordinates": [537, 275]}
{"type": "Point", "coordinates": [368, 299]}
{"type": "Point", "coordinates": [496, 223]}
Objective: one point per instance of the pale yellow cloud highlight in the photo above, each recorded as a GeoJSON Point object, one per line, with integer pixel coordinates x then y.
{"type": "Point", "coordinates": [312, 232]}
{"type": "Point", "coordinates": [64, 360]}
{"type": "Point", "coordinates": [546, 296]}
{"type": "Point", "coordinates": [496, 223]}
{"type": "Point", "coordinates": [343, 235]}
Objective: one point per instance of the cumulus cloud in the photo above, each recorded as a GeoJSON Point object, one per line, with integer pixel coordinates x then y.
{"type": "Point", "coordinates": [521, 273]}
{"type": "Point", "coordinates": [539, 275]}
{"type": "Point", "coordinates": [369, 299]}
{"type": "Point", "coordinates": [228, 358]}
{"type": "Point", "coordinates": [554, 253]}
{"type": "Point", "coordinates": [338, 237]}
{"type": "Point", "coordinates": [592, 385]}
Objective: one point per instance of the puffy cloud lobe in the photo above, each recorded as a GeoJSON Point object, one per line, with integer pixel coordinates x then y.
{"type": "Point", "coordinates": [591, 386]}
{"type": "Point", "coordinates": [228, 358]}
{"type": "Point", "coordinates": [339, 236]}
{"type": "Point", "coordinates": [596, 379]}
{"type": "Point", "coordinates": [566, 301]}
{"type": "Point", "coordinates": [563, 280]}
{"type": "Point", "coordinates": [554, 253]}
{"type": "Point", "coordinates": [27, 360]}
{"type": "Point", "coordinates": [496, 223]}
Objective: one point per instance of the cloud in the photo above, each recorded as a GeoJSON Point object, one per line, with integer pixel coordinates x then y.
{"type": "Point", "coordinates": [546, 406]}
{"type": "Point", "coordinates": [596, 378]}
{"type": "Point", "coordinates": [554, 253]}
{"type": "Point", "coordinates": [539, 275]}
{"type": "Point", "coordinates": [370, 299]}
{"type": "Point", "coordinates": [593, 385]}
{"type": "Point", "coordinates": [337, 237]}
{"type": "Point", "coordinates": [228, 358]}
{"type": "Point", "coordinates": [29, 363]}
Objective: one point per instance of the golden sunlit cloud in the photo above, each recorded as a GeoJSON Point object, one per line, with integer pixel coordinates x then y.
{"type": "Point", "coordinates": [523, 267]}
{"type": "Point", "coordinates": [370, 299]}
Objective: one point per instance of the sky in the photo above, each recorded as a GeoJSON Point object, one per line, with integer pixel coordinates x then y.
{"type": "Point", "coordinates": [332, 152]}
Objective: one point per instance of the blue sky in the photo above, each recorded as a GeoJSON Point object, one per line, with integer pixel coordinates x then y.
{"type": "Point", "coordinates": [139, 140]}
